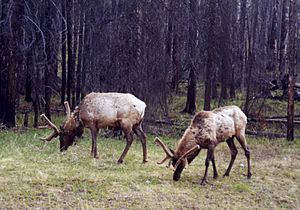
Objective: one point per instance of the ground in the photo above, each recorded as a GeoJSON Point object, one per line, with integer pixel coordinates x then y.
{"type": "Point", "coordinates": [37, 175]}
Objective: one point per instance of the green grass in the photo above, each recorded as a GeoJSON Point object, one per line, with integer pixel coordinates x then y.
{"type": "Point", "coordinates": [37, 175]}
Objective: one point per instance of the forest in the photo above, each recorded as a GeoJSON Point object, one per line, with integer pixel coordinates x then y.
{"type": "Point", "coordinates": [179, 57]}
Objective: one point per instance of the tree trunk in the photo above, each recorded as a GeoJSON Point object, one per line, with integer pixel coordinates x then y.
{"type": "Point", "coordinates": [80, 55]}
{"type": "Point", "coordinates": [75, 47]}
{"type": "Point", "coordinates": [70, 74]}
{"type": "Point", "coordinates": [292, 66]}
{"type": "Point", "coordinates": [225, 48]}
{"type": "Point", "coordinates": [39, 63]}
{"type": "Point", "coordinates": [242, 50]}
{"type": "Point", "coordinates": [28, 84]}
{"type": "Point", "coordinates": [282, 38]}
{"type": "Point", "coordinates": [86, 62]}
{"type": "Point", "coordinates": [251, 57]}
{"type": "Point", "coordinates": [15, 63]}
{"type": "Point", "coordinates": [4, 53]}
{"type": "Point", "coordinates": [48, 64]}
{"type": "Point", "coordinates": [210, 53]}
{"type": "Point", "coordinates": [63, 53]}
{"type": "Point", "coordinates": [176, 60]}
{"type": "Point", "coordinates": [208, 84]}
{"type": "Point", "coordinates": [190, 106]}
{"type": "Point", "coordinates": [224, 77]}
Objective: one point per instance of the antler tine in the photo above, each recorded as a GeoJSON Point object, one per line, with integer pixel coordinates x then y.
{"type": "Point", "coordinates": [167, 151]}
{"type": "Point", "coordinates": [68, 110]}
{"type": "Point", "coordinates": [51, 125]}
{"type": "Point", "coordinates": [185, 155]}
{"type": "Point", "coordinates": [163, 160]}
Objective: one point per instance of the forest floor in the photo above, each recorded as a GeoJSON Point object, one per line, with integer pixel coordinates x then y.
{"type": "Point", "coordinates": [36, 175]}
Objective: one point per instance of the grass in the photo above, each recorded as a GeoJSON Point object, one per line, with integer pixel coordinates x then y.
{"type": "Point", "coordinates": [37, 175]}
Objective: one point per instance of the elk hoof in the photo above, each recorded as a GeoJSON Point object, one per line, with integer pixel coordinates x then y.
{"type": "Point", "coordinates": [249, 175]}
{"type": "Point", "coordinates": [120, 161]}
{"type": "Point", "coordinates": [204, 182]}
{"type": "Point", "coordinates": [145, 161]}
{"type": "Point", "coordinates": [226, 174]}
{"type": "Point", "coordinates": [216, 176]}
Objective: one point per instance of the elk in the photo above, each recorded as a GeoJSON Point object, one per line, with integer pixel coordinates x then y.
{"type": "Point", "coordinates": [102, 110]}
{"type": "Point", "coordinates": [206, 131]}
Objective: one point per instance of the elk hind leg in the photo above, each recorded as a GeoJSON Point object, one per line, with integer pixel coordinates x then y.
{"type": "Point", "coordinates": [140, 133]}
{"type": "Point", "coordinates": [129, 140]}
{"type": "Point", "coordinates": [242, 140]}
{"type": "Point", "coordinates": [234, 153]}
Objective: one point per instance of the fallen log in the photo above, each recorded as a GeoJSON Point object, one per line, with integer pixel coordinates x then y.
{"type": "Point", "coordinates": [168, 122]}
{"type": "Point", "coordinates": [281, 117]}
{"type": "Point", "coordinates": [268, 134]}
{"type": "Point", "coordinates": [296, 122]}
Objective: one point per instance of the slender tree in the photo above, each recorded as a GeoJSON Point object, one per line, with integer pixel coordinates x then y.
{"type": "Point", "coordinates": [70, 73]}
{"type": "Point", "coordinates": [282, 43]}
{"type": "Point", "coordinates": [14, 63]}
{"type": "Point", "coordinates": [190, 106]}
{"type": "Point", "coordinates": [63, 52]}
{"type": "Point", "coordinates": [4, 52]}
{"type": "Point", "coordinates": [80, 55]}
{"type": "Point", "coordinates": [210, 53]}
{"type": "Point", "coordinates": [292, 66]}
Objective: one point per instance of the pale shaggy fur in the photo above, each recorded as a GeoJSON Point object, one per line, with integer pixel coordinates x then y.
{"type": "Point", "coordinates": [110, 109]}
{"type": "Point", "coordinates": [214, 127]}
{"type": "Point", "coordinates": [115, 111]}
{"type": "Point", "coordinates": [206, 131]}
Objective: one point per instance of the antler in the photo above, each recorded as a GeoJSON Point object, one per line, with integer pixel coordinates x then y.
{"type": "Point", "coordinates": [185, 155]}
{"type": "Point", "coordinates": [68, 110]}
{"type": "Point", "coordinates": [169, 154]}
{"type": "Point", "coordinates": [51, 125]}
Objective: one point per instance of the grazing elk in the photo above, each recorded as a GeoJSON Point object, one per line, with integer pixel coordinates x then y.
{"type": "Point", "coordinates": [102, 110]}
{"type": "Point", "coordinates": [206, 131]}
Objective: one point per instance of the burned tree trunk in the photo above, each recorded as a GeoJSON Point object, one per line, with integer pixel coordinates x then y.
{"type": "Point", "coordinates": [292, 66]}
{"type": "Point", "coordinates": [190, 106]}
{"type": "Point", "coordinates": [80, 56]}
{"type": "Point", "coordinates": [63, 53]}
{"type": "Point", "coordinates": [210, 53]}
{"type": "Point", "coordinates": [70, 74]}
{"type": "Point", "coordinates": [14, 63]}
{"type": "Point", "coordinates": [4, 53]}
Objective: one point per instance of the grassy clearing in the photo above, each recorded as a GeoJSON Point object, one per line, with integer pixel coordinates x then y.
{"type": "Point", "coordinates": [34, 175]}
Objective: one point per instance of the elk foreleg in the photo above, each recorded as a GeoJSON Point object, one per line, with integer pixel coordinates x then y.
{"type": "Point", "coordinates": [94, 132]}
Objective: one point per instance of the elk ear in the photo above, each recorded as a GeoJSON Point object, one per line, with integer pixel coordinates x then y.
{"type": "Point", "coordinates": [61, 128]}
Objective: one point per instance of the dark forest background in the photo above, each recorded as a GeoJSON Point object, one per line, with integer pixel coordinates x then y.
{"type": "Point", "coordinates": [57, 50]}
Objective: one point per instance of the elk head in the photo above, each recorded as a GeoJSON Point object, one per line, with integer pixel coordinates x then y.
{"type": "Point", "coordinates": [178, 162]}
{"type": "Point", "coordinates": [67, 132]}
